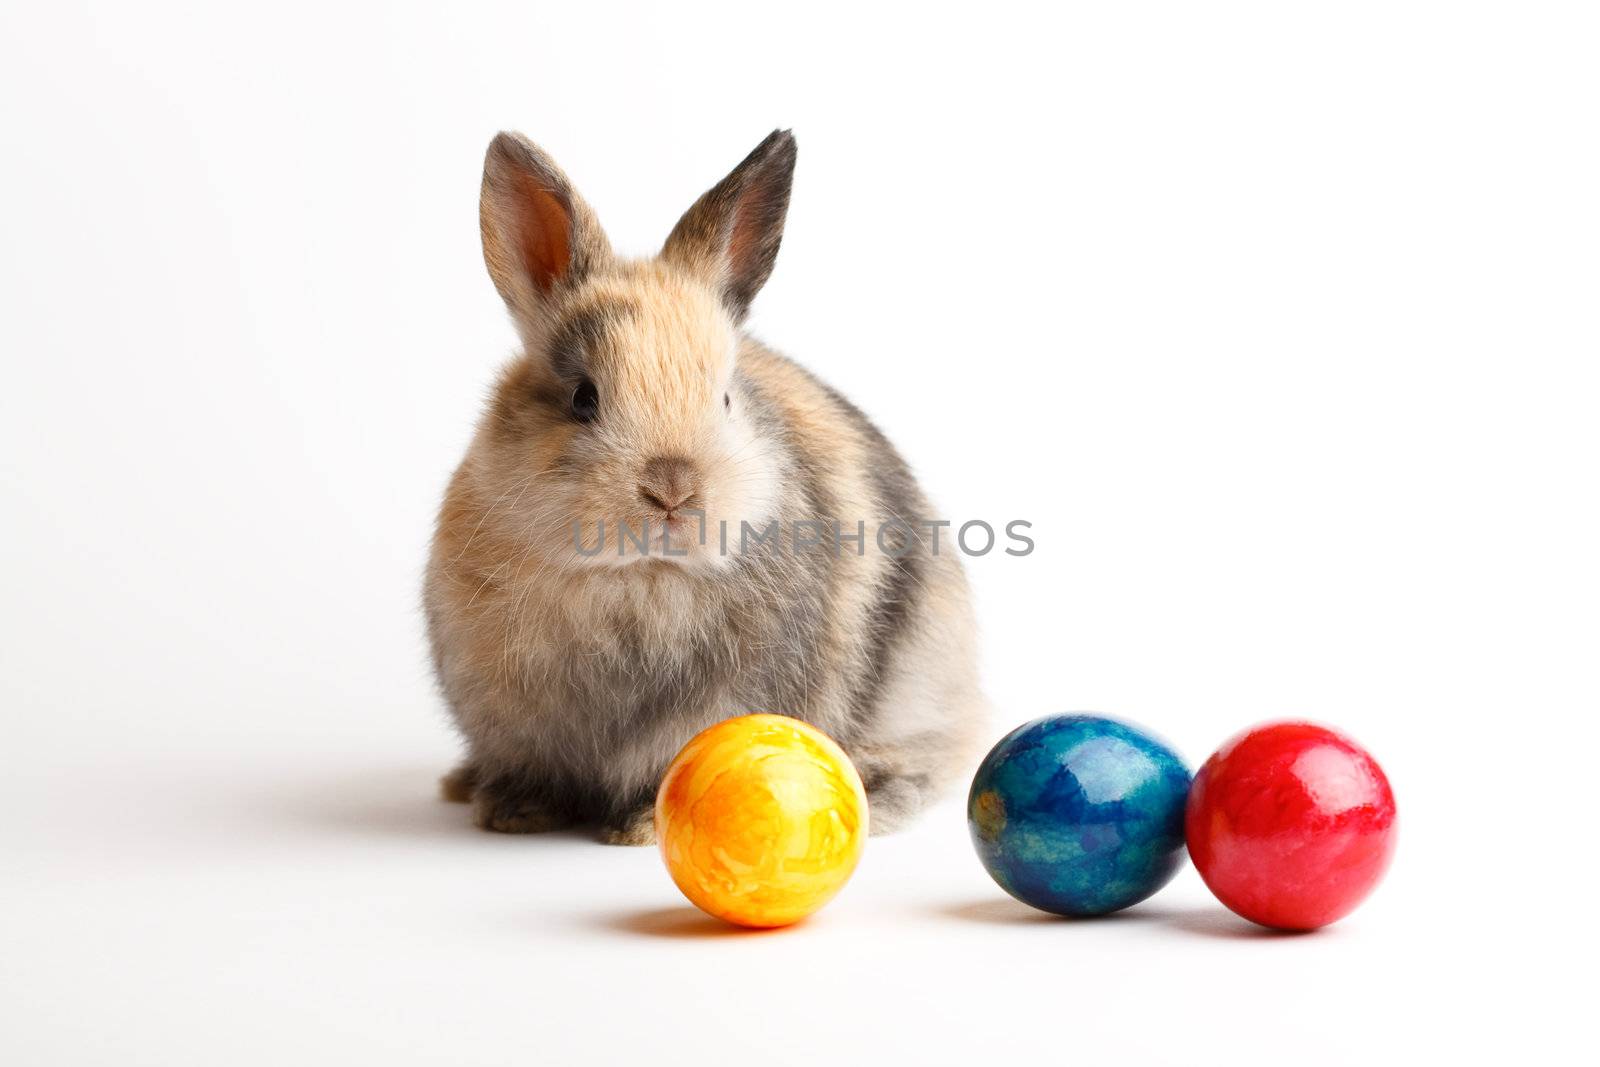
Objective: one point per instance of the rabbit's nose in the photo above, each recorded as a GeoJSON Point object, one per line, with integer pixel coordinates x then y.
{"type": "Point", "coordinates": [670, 482]}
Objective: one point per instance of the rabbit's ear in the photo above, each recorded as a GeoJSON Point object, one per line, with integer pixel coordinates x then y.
{"type": "Point", "coordinates": [538, 234]}
{"type": "Point", "coordinates": [731, 234]}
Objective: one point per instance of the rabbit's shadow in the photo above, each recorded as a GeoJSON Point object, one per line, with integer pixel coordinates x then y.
{"type": "Point", "coordinates": [386, 802]}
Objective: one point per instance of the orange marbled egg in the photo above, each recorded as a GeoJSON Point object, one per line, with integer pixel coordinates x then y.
{"type": "Point", "coordinates": [761, 820]}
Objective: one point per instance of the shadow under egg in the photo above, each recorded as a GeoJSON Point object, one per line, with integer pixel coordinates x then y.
{"type": "Point", "coordinates": [682, 923]}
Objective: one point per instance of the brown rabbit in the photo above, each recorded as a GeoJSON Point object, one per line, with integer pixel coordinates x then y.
{"type": "Point", "coordinates": [600, 588]}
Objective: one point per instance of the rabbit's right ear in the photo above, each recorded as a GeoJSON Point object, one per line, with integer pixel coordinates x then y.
{"type": "Point", "coordinates": [731, 234]}
{"type": "Point", "coordinates": [538, 234]}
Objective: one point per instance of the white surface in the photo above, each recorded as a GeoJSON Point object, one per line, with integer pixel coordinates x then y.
{"type": "Point", "coordinates": [1280, 326]}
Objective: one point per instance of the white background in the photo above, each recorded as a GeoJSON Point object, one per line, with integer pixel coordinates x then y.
{"type": "Point", "coordinates": [1279, 322]}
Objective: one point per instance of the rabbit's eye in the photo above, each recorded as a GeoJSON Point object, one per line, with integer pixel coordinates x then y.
{"type": "Point", "coordinates": [727, 402]}
{"type": "Point", "coordinates": [585, 401]}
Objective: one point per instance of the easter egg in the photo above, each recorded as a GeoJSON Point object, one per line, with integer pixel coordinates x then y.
{"type": "Point", "coordinates": [761, 820]}
{"type": "Point", "coordinates": [1079, 814]}
{"type": "Point", "coordinates": [1291, 824]}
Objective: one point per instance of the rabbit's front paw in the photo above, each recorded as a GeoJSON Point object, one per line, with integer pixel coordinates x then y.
{"type": "Point", "coordinates": [637, 827]}
{"type": "Point", "coordinates": [511, 808]}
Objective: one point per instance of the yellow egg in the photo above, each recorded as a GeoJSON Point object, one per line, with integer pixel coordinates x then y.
{"type": "Point", "coordinates": [761, 820]}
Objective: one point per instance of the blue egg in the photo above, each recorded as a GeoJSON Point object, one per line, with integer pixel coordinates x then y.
{"type": "Point", "coordinates": [1079, 814]}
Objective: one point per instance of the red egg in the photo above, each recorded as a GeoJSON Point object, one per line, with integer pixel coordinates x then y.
{"type": "Point", "coordinates": [1291, 825]}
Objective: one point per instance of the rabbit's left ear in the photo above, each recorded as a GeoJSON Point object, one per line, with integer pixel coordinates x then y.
{"type": "Point", "coordinates": [731, 234]}
{"type": "Point", "coordinates": [538, 235]}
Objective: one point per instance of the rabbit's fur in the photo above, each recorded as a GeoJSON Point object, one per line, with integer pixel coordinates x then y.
{"type": "Point", "coordinates": [576, 675]}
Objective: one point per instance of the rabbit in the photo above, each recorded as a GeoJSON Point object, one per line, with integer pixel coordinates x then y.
{"type": "Point", "coordinates": [576, 655]}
